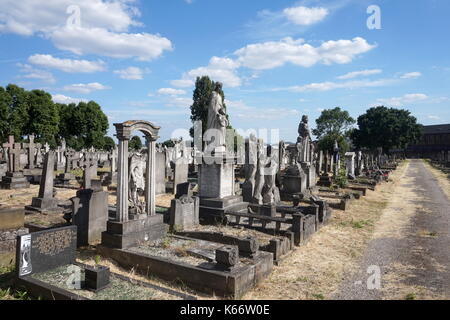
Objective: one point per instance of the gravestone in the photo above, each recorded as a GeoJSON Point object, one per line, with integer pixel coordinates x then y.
{"type": "Point", "coordinates": [41, 251]}
{"type": "Point", "coordinates": [350, 164]}
{"type": "Point", "coordinates": [11, 226]}
{"type": "Point", "coordinates": [31, 147]}
{"type": "Point", "coordinates": [160, 172]}
{"type": "Point", "coordinates": [90, 210]}
{"type": "Point", "coordinates": [45, 202]}
{"type": "Point", "coordinates": [184, 212]}
{"type": "Point", "coordinates": [181, 170]}
{"type": "Point", "coordinates": [14, 178]}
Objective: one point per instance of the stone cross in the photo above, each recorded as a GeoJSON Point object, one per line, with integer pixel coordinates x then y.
{"type": "Point", "coordinates": [88, 165]}
{"type": "Point", "coordinates": [68, 155]}
{"type": "Point", "coordinates": [47, 147]}
{"type": "Point", "coordinates": [31, 146]}
{"type": "Point", "coordinates": [14, 154]}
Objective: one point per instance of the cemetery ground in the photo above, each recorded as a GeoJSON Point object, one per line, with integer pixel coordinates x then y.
{"type": "Point", "coordinates": [402, 227]}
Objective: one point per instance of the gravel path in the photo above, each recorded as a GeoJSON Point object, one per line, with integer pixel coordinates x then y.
{"type": "Point", "coordinates": [415, 258]}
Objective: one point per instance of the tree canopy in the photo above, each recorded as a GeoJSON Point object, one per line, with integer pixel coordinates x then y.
{"type": "Point", "coordinates": [386, 128]}
{"type": "Point", "coordinates": [333, 125]}
{"type": "Point", "coordinates": [23, 112]}
{"type": "Point", "coordinates": [135, 143]}
{"type": "Point", "coordinates": [204, 87]}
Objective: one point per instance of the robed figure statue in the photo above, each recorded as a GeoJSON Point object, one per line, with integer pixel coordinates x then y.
{"type": "Point", "coordinates": [217, 119]}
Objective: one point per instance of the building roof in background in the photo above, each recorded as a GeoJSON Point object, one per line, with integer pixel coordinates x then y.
{"type": "Point", "coordinates": [436, 129]}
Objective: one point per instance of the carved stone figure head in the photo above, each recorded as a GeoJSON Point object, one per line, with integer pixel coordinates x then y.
{"type": "Point", "coordinates": [218, 86]}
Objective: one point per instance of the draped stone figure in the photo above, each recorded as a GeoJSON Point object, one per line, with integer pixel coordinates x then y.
{"type": "Point", "coordinates": [303, 140]}
{"type": "Point", "coordinates": [136, 182]}
{"type": "Point", "coordinates": [217, 118]}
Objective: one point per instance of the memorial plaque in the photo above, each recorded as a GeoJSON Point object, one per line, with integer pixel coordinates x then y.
{"type": "Point", "coordinates": [41, 251]}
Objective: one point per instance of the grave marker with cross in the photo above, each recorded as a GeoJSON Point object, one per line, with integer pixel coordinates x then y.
{"type": "Point", "coordinates": [13, 154]}
{"type": "Point", "coordinates": [31, 146]}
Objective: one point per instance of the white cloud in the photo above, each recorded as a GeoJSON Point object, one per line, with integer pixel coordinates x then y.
{"type": "Point", "coordinates": [27, 17]}
{"type": "Point", "coordinates": [131, 73]}
{"type": "Point", "coordinates": [219, 69]}
{"type": "Point", "coordinates": [431, 117]}
{"type": "Point", "coordinates": [179, 102]}
{"type": "Point", "coordinates": [361, 73]}
{"type": "Point", "coordinates": [304, 15]}
{"type": "Point", "coordinates": [66, 65]}
{"type": "Point", "coordinates": [143, 46]}
{"type": "Point", "coordinates": [171, 91]}
{"type": "Point", "coordinates": [411, 75]}
{"type": "Point", "coordinates": [60, 98]}
{"type": "Point", "coordinates": [102, 27]}
{"type": "Point", "coordinates": [404, 100]}
{"type": "Point", "coordinates": [272, 54]}
{"type": "Point", "coordinates": [86, 88]}
{"type": "Point", "coordinates": [240, 109]}
{"type": "Point", "coordinates": [32, 73]}
{"type": "Point", "coordinates": [329, 85]}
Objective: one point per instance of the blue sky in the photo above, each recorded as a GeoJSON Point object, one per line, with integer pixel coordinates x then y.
{"type": "Point", "coordinates": [277, 59]}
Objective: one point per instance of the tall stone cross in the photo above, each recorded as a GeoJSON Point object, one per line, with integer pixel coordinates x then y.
{"type": "Point", "coordinates": [68, 155]}
{"type": "Point", "coordinates": [31, 146]}
{"type": "Point", "coordinates": [14, 154]}
{"type": "Point", "coordinates": [88, 165]}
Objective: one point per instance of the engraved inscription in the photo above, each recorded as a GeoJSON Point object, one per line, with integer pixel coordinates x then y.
{"type": "Point", "coordinates": [54, 242]}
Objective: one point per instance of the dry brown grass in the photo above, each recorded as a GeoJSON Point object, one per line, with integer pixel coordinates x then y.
{"type": "Point", "coordinates": [395, 288]}
{"type": "Point", "coordinates": [316, 270]}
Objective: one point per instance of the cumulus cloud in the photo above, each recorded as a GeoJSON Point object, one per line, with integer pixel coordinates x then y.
{"type": "Point", "coordinates": [171, 91]}
{"type": "Point", "coordinates": [239, 109]}
{"type": "Point", "coordinates": [87, 27]}
{"type": "Point", "coordinates": [304, 15]}
{"type": "Point", "coordinates": [143, 46]}
{"type": "Point", "coordinates": [29, 72]}
{"type": "Point", "coordinates": [66, 65]}
{"type": "Point", "coordinates": [219, 69]}
{"type": "Point", "coordinates": [361, 73]}
{"type": "Point", "coordinates": [27, 17]}
{"type": "Point", "coordinates": [85, 88]}
{"type": "Point", "coordinates": [411, 75]}
{"type": "Point", "coordinates": [60, 98]}
{"type": "Point", "coordinates": [330, 85]}
{"type": "Point", "coordinates": [404, 100]}
{"type": "Point", "coordinates": [131, 73]}
{"type": "Point", "coordinates": [272, 54]}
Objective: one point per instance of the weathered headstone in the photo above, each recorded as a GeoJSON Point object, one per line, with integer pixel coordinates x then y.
{"type": "Point", "coordinates": [350, 164]}
{"type": "Point", "coordinates": [11, 226]}
{"type": "Point", "coordinates": [14, 178]}
{"type": "Point", "coordinates": [160, 171]}
{"type": "Point", "coordinates": [45, 202]}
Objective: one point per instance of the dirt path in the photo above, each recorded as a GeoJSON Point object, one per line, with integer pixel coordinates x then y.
{"type": "Point", "coordinates": [410, 245]}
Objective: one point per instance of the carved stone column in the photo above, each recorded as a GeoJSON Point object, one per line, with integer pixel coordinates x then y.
{"type": "Point", "coordinates": [150, 181]}
{"type": "Point", "coordinates": [122, 180]}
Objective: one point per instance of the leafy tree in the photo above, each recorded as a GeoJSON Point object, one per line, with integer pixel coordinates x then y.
{"type": "Point", "coordinates": [386, 128]}
{"type": "Point", "coordinates": [333, 125]}
{"type": "Point", "coordinates": [204, 86]}
{"type": "Point", "coordinates": [135, 143]}
{"type": "Point", "coordinates": [169, 143]}
{"type": "Point", "coordinates": [5, 102]}
{"type": "Point", "coordinates": [18, 117]}
{"type": "Point", "coordinates": [43, 117]}
{"type": "Point", "coordinates": [83, 125]}
{"type": "Point", "coordinates": [109, 144]}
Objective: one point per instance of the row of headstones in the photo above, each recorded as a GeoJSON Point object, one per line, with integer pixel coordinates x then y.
{"type": "Point", "coordinates": [30, 155]}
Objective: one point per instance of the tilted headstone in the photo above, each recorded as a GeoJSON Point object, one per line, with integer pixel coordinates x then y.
{"type": "Point", "coordinates": [45, 200]}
